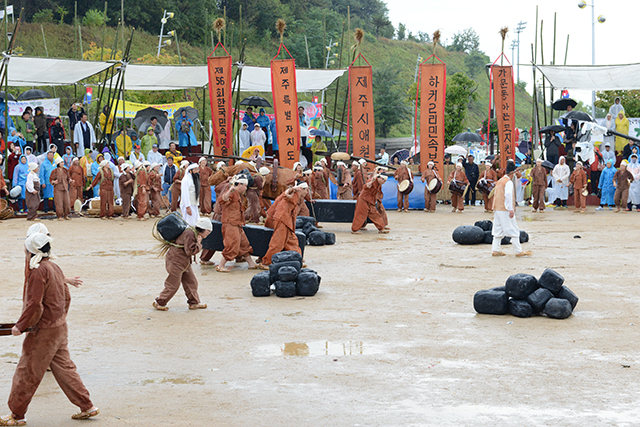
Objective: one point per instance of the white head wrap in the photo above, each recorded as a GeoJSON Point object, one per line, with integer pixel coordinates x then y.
{"type": "Point", "coordinates": [240, 179]}
{"type": "Point", "coordinates": [341, 163]}
{"type": "Point", "coordinates": [317, 168]}
{"type": "Point", "coordinates": [323, 160]}
{"type": "Point", "coordinates": [296, 164]}
{"type": "Point", "coordinates": [58, 160]}
{"type": "Point", "coordinates": [202, 159]}
{"type": "Point", "coordinates": [37, 228]}
{"type": "Point", "coordinates": [362, 161]}
{"type": "Point", "coordinates": [192, 166]}
{"type": "Point", "coordinates": [264, 171]}
{"type": "Point", "coordinates": [219, 165]}
{"type": "Point", "coordinates": [33, 245]}
{"type": "Point", "coordinates": [75, 159]}
{"type": "Point", "coordinates": [204, 223]}
{"type": "Point", "coordinates": [33, 166]}
{"type": "Point", "coordinates": [430, 163]}
{"type": "Point", "coordinates": [184, 163]}
{"type": "Point", "coordinates": [302, 185]}
{"type": "Point", "coordinates": [146, 163]}
{"type": "Point", "coordinates": [384, 177]}
{"type": "Point", "coordinates": [137, 164]}
{"type": "Point", "coordinates": [104, 163]}
{"type": "Point", "coordinates": [404, 162]}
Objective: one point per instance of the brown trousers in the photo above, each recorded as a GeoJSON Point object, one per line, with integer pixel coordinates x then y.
{"type": "Point", "coordinates": [254, 208]}
{"type": "Point", "coordinates": [282, 239]}
{"type": "Point", "coordinates": [175, 197]}
{"type": "Point", "coordinates": [33, 203]}
{"type": "Point", "coordinates": [383, 213]}
{"type": "Point", "coordinates": [206, 254]}
{"type": "Point", "coordinates": [126, 203]}
{"type": "Point", "coordinates": [488, 202]}
{"type": "Point", "coordinates": [106, 203]}
{"type": "Point", "coordinates": [61, 200]}
{"type": "Point", "coordinates": [345, 193]}
{"type": "Point", "coordinates": [42, 349]}
{"type": "Point", "coordinates": [236, 244]}
{"type": "Point", "coordinates": [429, 200]}
{"type": "Point", "coordinates": [363, 211]}
{"type": "Point", "coordinates": [403, 201]}
{"type": "Point", "coordinates": [142, 202]}
{"type": "Point", "coordinates": [155, 203]}
{"type": "Point", "coordinates": [579, 199]}
{"type": "Point", "coordinates": [303, 210]}
{"type": "Point", "coordinates": [172, 284]}
{"type": "Point", "coordinates": [537, 193]}
{"type": "Point", "coordinates": [75, 193]}
{"type": "Point", "coordinates": [457, 201]}
{"type": "Point", "coordinates": [205, 198]}
{"type": "Point", "coordinates": [620, 198]}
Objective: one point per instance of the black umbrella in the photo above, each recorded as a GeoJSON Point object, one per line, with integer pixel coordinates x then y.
{"type": "Point", "coordinates": [547, 164]}
{"type": "Point", "coordinates": [192, 113]}
{"type": "Point", "coordinates": [562, 104]}
{"type": "Point", "coordinates": [467, 137]}
{"type": "Point", "coordinates": [9, 97]}
{"type": "Point", "coordinates": [33, 94]}
{"type": "Point", "coordinates": [255, 101]}
{"type": "Point", "coordinates": [553, 129]}
{"type": "Point", "coordinates": [581, 116]}
{"type": "Point", "coordinates": [142, 120]}
{"type": "Point", "coordinates": [322, 133]}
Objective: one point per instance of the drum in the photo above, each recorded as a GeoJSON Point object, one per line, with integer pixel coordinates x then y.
{"type": "Point", "coordinates": [457, 188]}
{"type": "Point", "coordinates": [434, 186]}
{"type": "Point", "coordinates": [404, 186]}
{"type": "Point", "coordinates": [485, 186]}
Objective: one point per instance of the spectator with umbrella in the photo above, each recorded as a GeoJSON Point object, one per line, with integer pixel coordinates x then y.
{"type": "Point", "coordinates": [552, 142]}
{"type": "Point", "coordinates": [249, 118]}
{"type": "Point", "coordinates": [184, 126]}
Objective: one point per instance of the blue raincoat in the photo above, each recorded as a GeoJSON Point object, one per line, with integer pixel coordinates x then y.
{"type": "Point", "coordinates": [606, 185]}
{"type": "Point", "coordinates": [20, 175]}
{"type": "Point", "coordinates": [184, 139]}
{"type": "Point", "coordinates": [95, 168]}
{"type": "Point", "coordinates": [45, 173]}
{"type": "Point", "coordinates": [16, 139]}
{"type": "Point", "coordinates": [274, 136]}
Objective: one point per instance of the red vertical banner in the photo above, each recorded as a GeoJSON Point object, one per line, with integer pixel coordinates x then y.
{"type": "Point", "coordinates": [219, 68]}
{"type": "Point", "coordinates": [362, 120]}
{"type": "Point", "coordinates": [433, 92]}
{"type": "Point", "coordinates": [504, 102]}
{"type": "Point", "coordinates": [285, 106]}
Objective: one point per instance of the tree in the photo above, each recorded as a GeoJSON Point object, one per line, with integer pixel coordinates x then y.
{"type": "Point", "coordinates": [629, 99]}
{"type": "Point", "coordinates": [460, 92]}
{"type": "Point", "coordinates": [390, 106]}
{"type": "Point", "coordinates": [379, 22]}
{"type": "Point", "coordinates": [424, 37]}
{"type": "Point", "coordinates": [465, 41]}
{"type": "Point", "coordinates": [402, 31]}
{"type": "Point", "coordinates": [476, 62]}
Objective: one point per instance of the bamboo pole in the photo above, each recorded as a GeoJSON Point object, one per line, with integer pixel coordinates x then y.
{"type": "Point", "coordinates": [44, 40]}
{"type": "Point", "coordinates": [554, 63]}
{"type": "Point", "coordinates": [335, 103]}
{"type": "Point", "coordinates": [104, 32]}
{"type": "Point", "coordinates": [544, 88]}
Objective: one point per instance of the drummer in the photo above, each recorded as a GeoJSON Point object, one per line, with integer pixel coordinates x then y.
{"type": "Point", "coordinates": [458, 177]}
{"type": "Point", "coordinates": [430, 175]}
{"type": "Point", "coordinates": [490, 176]}
{"type": "Point", "coordinates": [402, 174]}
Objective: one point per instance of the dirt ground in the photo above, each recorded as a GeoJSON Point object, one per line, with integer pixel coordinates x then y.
{"type": "Point", "coordinates": [391, 339]}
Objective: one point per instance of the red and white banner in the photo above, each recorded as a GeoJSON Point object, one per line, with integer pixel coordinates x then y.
{"type": "Point", "coordinates": [361, 105]}
{"type": "Point", "coordinates": [504, 102]}
{"type": "Point", "coordinates": [433, 93]}
{"type": "Point", "coordinates": [285, 106]}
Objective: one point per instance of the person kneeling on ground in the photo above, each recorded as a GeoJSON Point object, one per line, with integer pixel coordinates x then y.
{"type": "Point", "coordinates": [178, 265]}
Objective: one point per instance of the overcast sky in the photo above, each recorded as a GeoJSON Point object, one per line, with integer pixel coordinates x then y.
{"type": "Point", "coordinates": [615, 39]}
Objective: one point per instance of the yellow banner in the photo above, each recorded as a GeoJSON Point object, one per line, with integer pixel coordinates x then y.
{"type": "Point", "coordinates": [131, 108]}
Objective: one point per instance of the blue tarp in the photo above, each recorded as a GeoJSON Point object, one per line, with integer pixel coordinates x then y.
{"type": "Point", "coordinates": [390, 191]}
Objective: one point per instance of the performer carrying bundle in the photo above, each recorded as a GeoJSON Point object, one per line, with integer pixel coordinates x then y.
{"type": "Point", "coordinates": [487, 183]}
{"type": "Point", "coordinates": [458, 183]}
{"type": "Point", "coordinates": [433, 184]}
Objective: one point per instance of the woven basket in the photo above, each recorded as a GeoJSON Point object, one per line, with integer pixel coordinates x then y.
{"type": "Point", "coordinates": [5, 210]}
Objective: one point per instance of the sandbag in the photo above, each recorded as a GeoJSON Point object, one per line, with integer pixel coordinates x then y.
{"type": "Point", "coordinates": [558, 308]}
{"type": "Point", "coordinates": [485, 224]}
{"type": "Point", "coordinates": [524, 236]}
{"type": "Point", "coordinates": [499, 288]}
{"type": "Point", "coordinates": [307, 284]}
{"type": "Point", "coordinates": [299, 224]}
{"type": "Point", "coordinates": [308, 270]}
{"type": "Point", "coordinates": [491, 302]}
{"type": "Point", "coordinates": [506, 240]}
{"type": "Point", "coordinates": [302, 220]}
{"type": "Point", "coordinates": [285, 289]}
{"type": "Point", "coordinates": [488, 237]}
{"type": "Point", "coordinates": [468, 235]}
{"type": "Point", "coordinates": [520, 308]}
{"type": "Point", "coordinates": [285, 256]}
{"type": "Point", "coordinates": [260, 284]}
{"type": "Point", "coordinates": [538, 299]}
{"type": "Point", "coordinates": [565, 293]}
{"type": "Point", "coordinates": [287, 274]}
{"type": "Point", "coordinates": [309, 228]}
{"type": "Point", "coordinates": [275, 268]}
{"type": "Point", "coordinates": [520, 285]}
{"type": "Point", "coordinates": [551, 280]}
{"type": "Point", "coordinates": [171, 227]}
{"type": "Point", "coordinates": [329, 238]}
{"type": "Point", "coordinates": [316, 238]}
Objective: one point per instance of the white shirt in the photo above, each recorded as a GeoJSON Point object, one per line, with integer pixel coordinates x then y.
{"type": "Point", "coordinates": [384, 159]}
{"type": "Point", "coordinates": [32, 178]}
{"type": "Point", "coordinates": [156, 157]}
{"type": "Point", "coordinates": [258, 137]}
{"type": "Point", "coordinates": [165, 136]}
{"type": "Point", "coordinates": [508, 195]}
{"type": "Point", "coordinates": [78, 137]}
{"type": "Point", "coordinates": [133, 158]}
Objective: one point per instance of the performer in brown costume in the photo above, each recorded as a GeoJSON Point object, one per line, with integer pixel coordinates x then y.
{"type": "Point", "coordinates": [236, 244]}
{"type": "Point", "coordinates": [205, 188]}
{"type": "Point", "coordinates": [60, 180]}
{"type": "Point", "coordinates": [155, 190]}
{"type": "Point", "coordinates": [428, 175]}
{"type": "Point", "coordinates": [104, 178]}
{"type": "Point", "coordinates": [176, 187]}
{"type": "Point", "coordinates": [32, 192]}
{"type": "Point", "coordinates": [46, 304]}
{"type": "Point", "coordinates": [379, 196]}
{"type": "Point", "coordinates": [220, 189]}
{"type": "Point", "coordinates": [141, 191]}
{"type": "Point", "coordinates": [254, 210]}
{"type": "Point", "coordinates": [491, 176]}
{"type": "Point", "coordinates": [621, 181]}
{"type": "Point", "coordinates": [358, 178]}
{"type": "Point", "coordinates": [344, 183]}
{"type": "Point", "coordinates": [457, 201]}
{"type": "Point", "coordinates": [579, 180]}
{"type": "Point", "coordinates": [178, 265]}
{"type": "Point", "coordinates": [77, 181]}
{"type": "Point", "coordinates": [401, 174]}
{"type": "Point", "coordinates": [539, 185]}
{"type": "Point", "coordinates": [126, 189]}
{"type": "Point", "coordinates": [365, 206]}
{"type": "Point", "coordinates": [283, 221]}
{"type": "Point", "coordinates": [319, 183]}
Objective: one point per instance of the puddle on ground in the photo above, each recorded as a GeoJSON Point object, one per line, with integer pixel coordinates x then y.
{"type": "Point", "coordinates": [319, 348]}
{"type": "Point", "coordinates": [119, 253]}
{"type": "Point", "coordinates": [179, 380]}
{"type": "Point", "coordinates": [9, 355]}
{"type": "Point", "coordinates": [531, 218]}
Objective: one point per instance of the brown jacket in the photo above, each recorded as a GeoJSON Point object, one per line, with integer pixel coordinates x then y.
{"type": "Point", "coordinates": [232, 209]}
{"type": "Point", "coordinates": [107, 182]}
{"type": "Point", "coordinates": [622, 179]}
{"type": "Point", "coordinates": [284, 209]}
{"type": "Point", "coordinates": [459, 176]}
{"type": "Point", "coordinates": [539, 175]}
{"type": "Point", "coordinates": [181, 257]}
{"type": "Point", "coordinates": [578, 179]}
{"type": "Point", "coordinates": [61, 175]}
{"type": "Point", "coordinates": [76, 173]}
{"type": "Point", "coordinates": [370, 194]}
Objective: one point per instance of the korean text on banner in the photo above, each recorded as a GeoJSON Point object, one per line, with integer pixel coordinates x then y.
{"type": "Point", "coordinates": [362, 121]}
{"type": "Point", "coordinates": [433, 90]}
{"type": "Point", "coordinates": [285, 105]}
{"type": "Point", "coordinates": [131, 108]}
{"type": "Point", "coordinates": [504, 101]}
{"type": "Point", "coordinates": [51, 106]}
{"type": "Point", "coordinates": [220, 98]}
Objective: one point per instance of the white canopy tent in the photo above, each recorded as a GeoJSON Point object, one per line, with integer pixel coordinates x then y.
{"type": "Point", "coordinates": [258, 79]}
{"type": "Point", "coordinates": [592, 77]}
{"type": "Point", "coordinates": [24, 71]}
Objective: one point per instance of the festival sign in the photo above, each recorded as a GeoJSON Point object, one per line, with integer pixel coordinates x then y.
{"type": "Point", "coordinates": [219, 68]}
{"type": "Point", "coordinates": [433, 92]}
{"type": "Point", "coordinates": [285, 106]}
{"type": "Point", "coordinates": [361, 104]}
{"type": "Point", "coordinates": [51, 106]}
{"type": "Point", "coordinates": [131, 108]}
{"type": "Point", "coordinates": [504, 102]}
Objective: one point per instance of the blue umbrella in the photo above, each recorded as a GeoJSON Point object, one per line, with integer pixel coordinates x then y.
{"type": "Point", "coordinates": [322, 133]}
